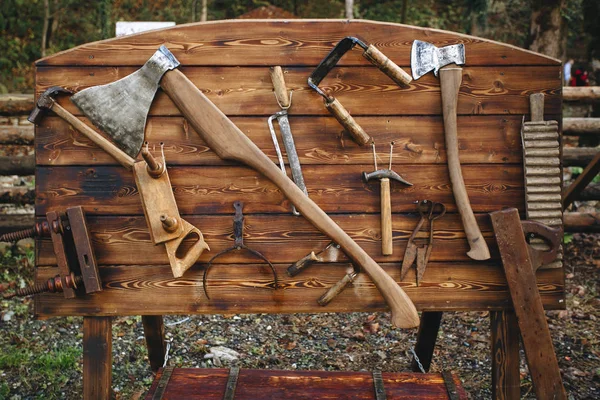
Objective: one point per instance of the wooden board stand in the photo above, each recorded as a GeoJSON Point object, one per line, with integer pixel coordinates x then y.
{"type": "Point", "coordinates": [72, 171]}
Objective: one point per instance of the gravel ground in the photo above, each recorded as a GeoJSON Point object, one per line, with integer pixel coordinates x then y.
{"type": "Point", "coordinates": [42, 359]}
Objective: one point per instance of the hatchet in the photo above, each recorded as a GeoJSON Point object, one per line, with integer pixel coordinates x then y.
{"type": "Point", "coordinates": [230, 143]}
{"type": "Point", "coordinates": [426, 57]}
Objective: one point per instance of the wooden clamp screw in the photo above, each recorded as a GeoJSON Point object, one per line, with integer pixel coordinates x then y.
{"type": "Point", "coordinates": [169, 223]}
{"type": "Point", "coordinates": [155, 169]}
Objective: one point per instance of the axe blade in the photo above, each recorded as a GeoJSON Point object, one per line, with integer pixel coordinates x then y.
{"type": "Point", "coordinates": [425, 57]}
{"type": "Point", "coordinates": [120, 108]}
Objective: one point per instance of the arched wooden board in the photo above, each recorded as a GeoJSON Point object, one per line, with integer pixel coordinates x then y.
{"type": "Point", "coordinates": [228, 61]}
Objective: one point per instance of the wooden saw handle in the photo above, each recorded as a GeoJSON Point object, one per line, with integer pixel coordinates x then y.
{"type": "Point", "coordinates": [386, 217]}
{"type": "Point", "coordinates": [450, 80]}
{"type": "Point", "coordinates": [230, 143]}
{"type": "Point", "coordinates": [387, 66]}
{"type": "Point", "coordinates": [345, 119]}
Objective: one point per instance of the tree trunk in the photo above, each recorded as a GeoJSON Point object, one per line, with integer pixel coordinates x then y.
{"type": "Point", "coordinates": [349, 9]}
{"type": "Point", "coordinates": [204, 15]}
{"type": "Point", "coordinates": [45, 28]}
{"type": "Point", "coordinates": [547, 28]}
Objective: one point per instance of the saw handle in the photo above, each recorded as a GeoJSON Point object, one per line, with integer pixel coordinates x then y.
{"type": "Point", "coordinates": [230, 143]}
{"type": "Point", "coordinates": [387, 66]}
{"type": "Point", "coordinates": [301, 264]}
{"type": "Point", "coordinates": [343, 116]}
{"type": "Point", "coordinates": [336, 289]}
{"type": "Point", "coordinates": [180, 264]}
{"type": "Point", "coordinates": [281, 92]}
{"type": "Point", "coordinates": [450, 80]}
{"type": "Point", "coordinates": [386, 217]}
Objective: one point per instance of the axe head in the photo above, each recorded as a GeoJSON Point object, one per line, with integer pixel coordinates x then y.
{"type": "Point", "coordinates": [120, 108]}
{"type": "Point", "coordinates": [425, 57]}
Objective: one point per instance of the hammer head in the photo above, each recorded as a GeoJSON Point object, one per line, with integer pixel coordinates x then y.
{"type": "Point", "coordinates": [425, 57]}
{"type": "Point", "coordinates": [44, 103]}
{"type": "Point", "coordinates": [120, 108]}
{"type": "Point", "coordinates": [385, 173]}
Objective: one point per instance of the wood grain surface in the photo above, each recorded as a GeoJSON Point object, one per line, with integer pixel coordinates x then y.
{"type": "Point", "coordinates": [209, 384]}
{"type": "Point", "coordinates": [285, 42]}
{"type": "Point", "coordinates": [229, 61]}
{"type": "Point", "coordinates": [248, 288]}
{"type": "Point", "coordinates": [363, 90]}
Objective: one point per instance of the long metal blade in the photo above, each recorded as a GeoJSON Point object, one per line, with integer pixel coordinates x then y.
{"type": "Point", "coordinates": [290, 149]}
{"type": "Point", "coordinates": [120, 108]}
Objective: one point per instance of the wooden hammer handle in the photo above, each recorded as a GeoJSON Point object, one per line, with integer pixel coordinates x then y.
{"type": "Point", "coordinates": [94, 136]}
{"type": "Point", "coordinates": [450, 80]}
{"type": "Point", "coordinates": [229, 143]}
{"type": "Point", "coordinates": [386, 217]}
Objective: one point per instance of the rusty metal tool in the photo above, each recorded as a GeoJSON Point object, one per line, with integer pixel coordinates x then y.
{"type": "Point", "coordinates": [230, 143]}
{"type": "Point", "coordinates": [75, 258]}
{"type": "Point", "coordinates": [330, 254]}
{"type": "Point", "coordinates": [429, 211]}
{"type": "Point", "coordinates": [333, 105]}
{"type": "Point", "coordinates": [238, 244]}
{"type": "Point", "coordinates": [151, 176]}
{"type": "Point", "coordinates": [426, 57]}
{"type": "Point", "coordinates": [285, 102]}
{"type": "Point", "coordinates": [384, 176]}
{"type": "Point", "coordinates": [520, 261]}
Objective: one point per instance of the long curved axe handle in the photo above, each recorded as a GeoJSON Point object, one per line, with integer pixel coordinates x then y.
{"type": "Point", "coordinates": [230, 143]}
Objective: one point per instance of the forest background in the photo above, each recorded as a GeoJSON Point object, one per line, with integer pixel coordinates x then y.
{"type": "Point", "coordinates": [31, 29]}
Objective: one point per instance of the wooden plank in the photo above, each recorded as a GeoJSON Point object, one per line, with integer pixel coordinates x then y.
{"type": "Point", "coordinates": [97, 358]}
{"type": "Point", "coordinates": [582, 222]}
{"type": "Point", "coordinates": [581, 93]}
{"type": "Point", "coordinates": [243, 91]}
{"type": "Point", "coordinates": [284, 42]}
{"type": "Point", "coordinates": [201, 190]}
{"type": "Point", "coordinates": [133, 290]}
{"type": "Point", "coordinates": [254, 384]}
{"type": "Point", "coordinates": [506, 378]}
{"type": "Point", "coordinates": [154, 332]}
{"type": "Point", "coordinates": [15, 222]}
{"type": "Point", "coordinates": [588, 174]}
{"type": "Point", "coordinates": [15, 104]}
{"type": "Point", "coordinates": [281, 238]}
{"type": "Point", "coordinates": [17, 165]}
{"type": "Point", "coordinates": [581, 126]}
{"type": "Point", "coordinates": [17, 195]}
{"type": "Point", "coordinates": [16, 134]}
{"type": "Point", "coordinates": [579, 156]}
{"type": "Point", "coordinates": [418, 139]}
{"type": "Point", "coordinates": [521, 278]}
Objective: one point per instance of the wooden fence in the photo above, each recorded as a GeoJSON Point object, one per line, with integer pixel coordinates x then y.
{"type": "Point", "coordinates": [17, 134]}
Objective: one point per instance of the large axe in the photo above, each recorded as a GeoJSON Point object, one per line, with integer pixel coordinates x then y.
{"type": "Point", "coordinates": [230, 143]}
{"type": "Point", "coordinates": [426, 57]}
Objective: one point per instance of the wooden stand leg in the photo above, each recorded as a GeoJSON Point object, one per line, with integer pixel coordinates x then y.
{"type": "Point", "coordinates": [426, 337]}
{"type": "Point", "coordinates": [97, 358]}
{"type": "Point", "coordinates": [505, 355]}
{"type": "Point", "coordinates": [154, 331]}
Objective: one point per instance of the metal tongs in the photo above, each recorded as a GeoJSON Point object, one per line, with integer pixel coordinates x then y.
{"type": "Point", "coordinates": [285, 102]}
{"type": "Point", "coordinates": [376, 58]}
{"type": "Point", "coordinates": [238, 244]}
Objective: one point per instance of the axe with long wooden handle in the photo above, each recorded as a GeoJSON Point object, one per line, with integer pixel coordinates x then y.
{"type": "Point", "coordinates": [230, 143]}
{"type": "Point", "coordinates": [426, 57]}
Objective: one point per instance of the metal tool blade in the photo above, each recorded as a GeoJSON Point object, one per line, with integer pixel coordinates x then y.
{"type": "Point", "coordinates": [425, 57]}
{"type": "Point", "coordinates": [120, 108]}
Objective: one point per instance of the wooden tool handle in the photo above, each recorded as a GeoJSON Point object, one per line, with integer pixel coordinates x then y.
{"type": "Point", "coordinates": [336, 289]}
{"type": "Point", "coordinates": [386, 217]}
{"type": "Point", "coordinates": [94, 136]}
{"type": "Point", "coordinates": [281, 92]}
{"type": "Point", "coordinates": [343, 116]}
{"type": "Point", "coordinates": [180, 264]}
{"type": "Point", "coordinates": [302, 263]}
{"type": "Point", "coordinates": [450, 80]}
{"type": "Point", "coordinates": [387, 66]}
{"type": "Point", "coordinates": [228, 142]}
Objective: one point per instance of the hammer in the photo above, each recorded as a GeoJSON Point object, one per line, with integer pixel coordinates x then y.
{"type": "Point", "coordinates": [384, 176]}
